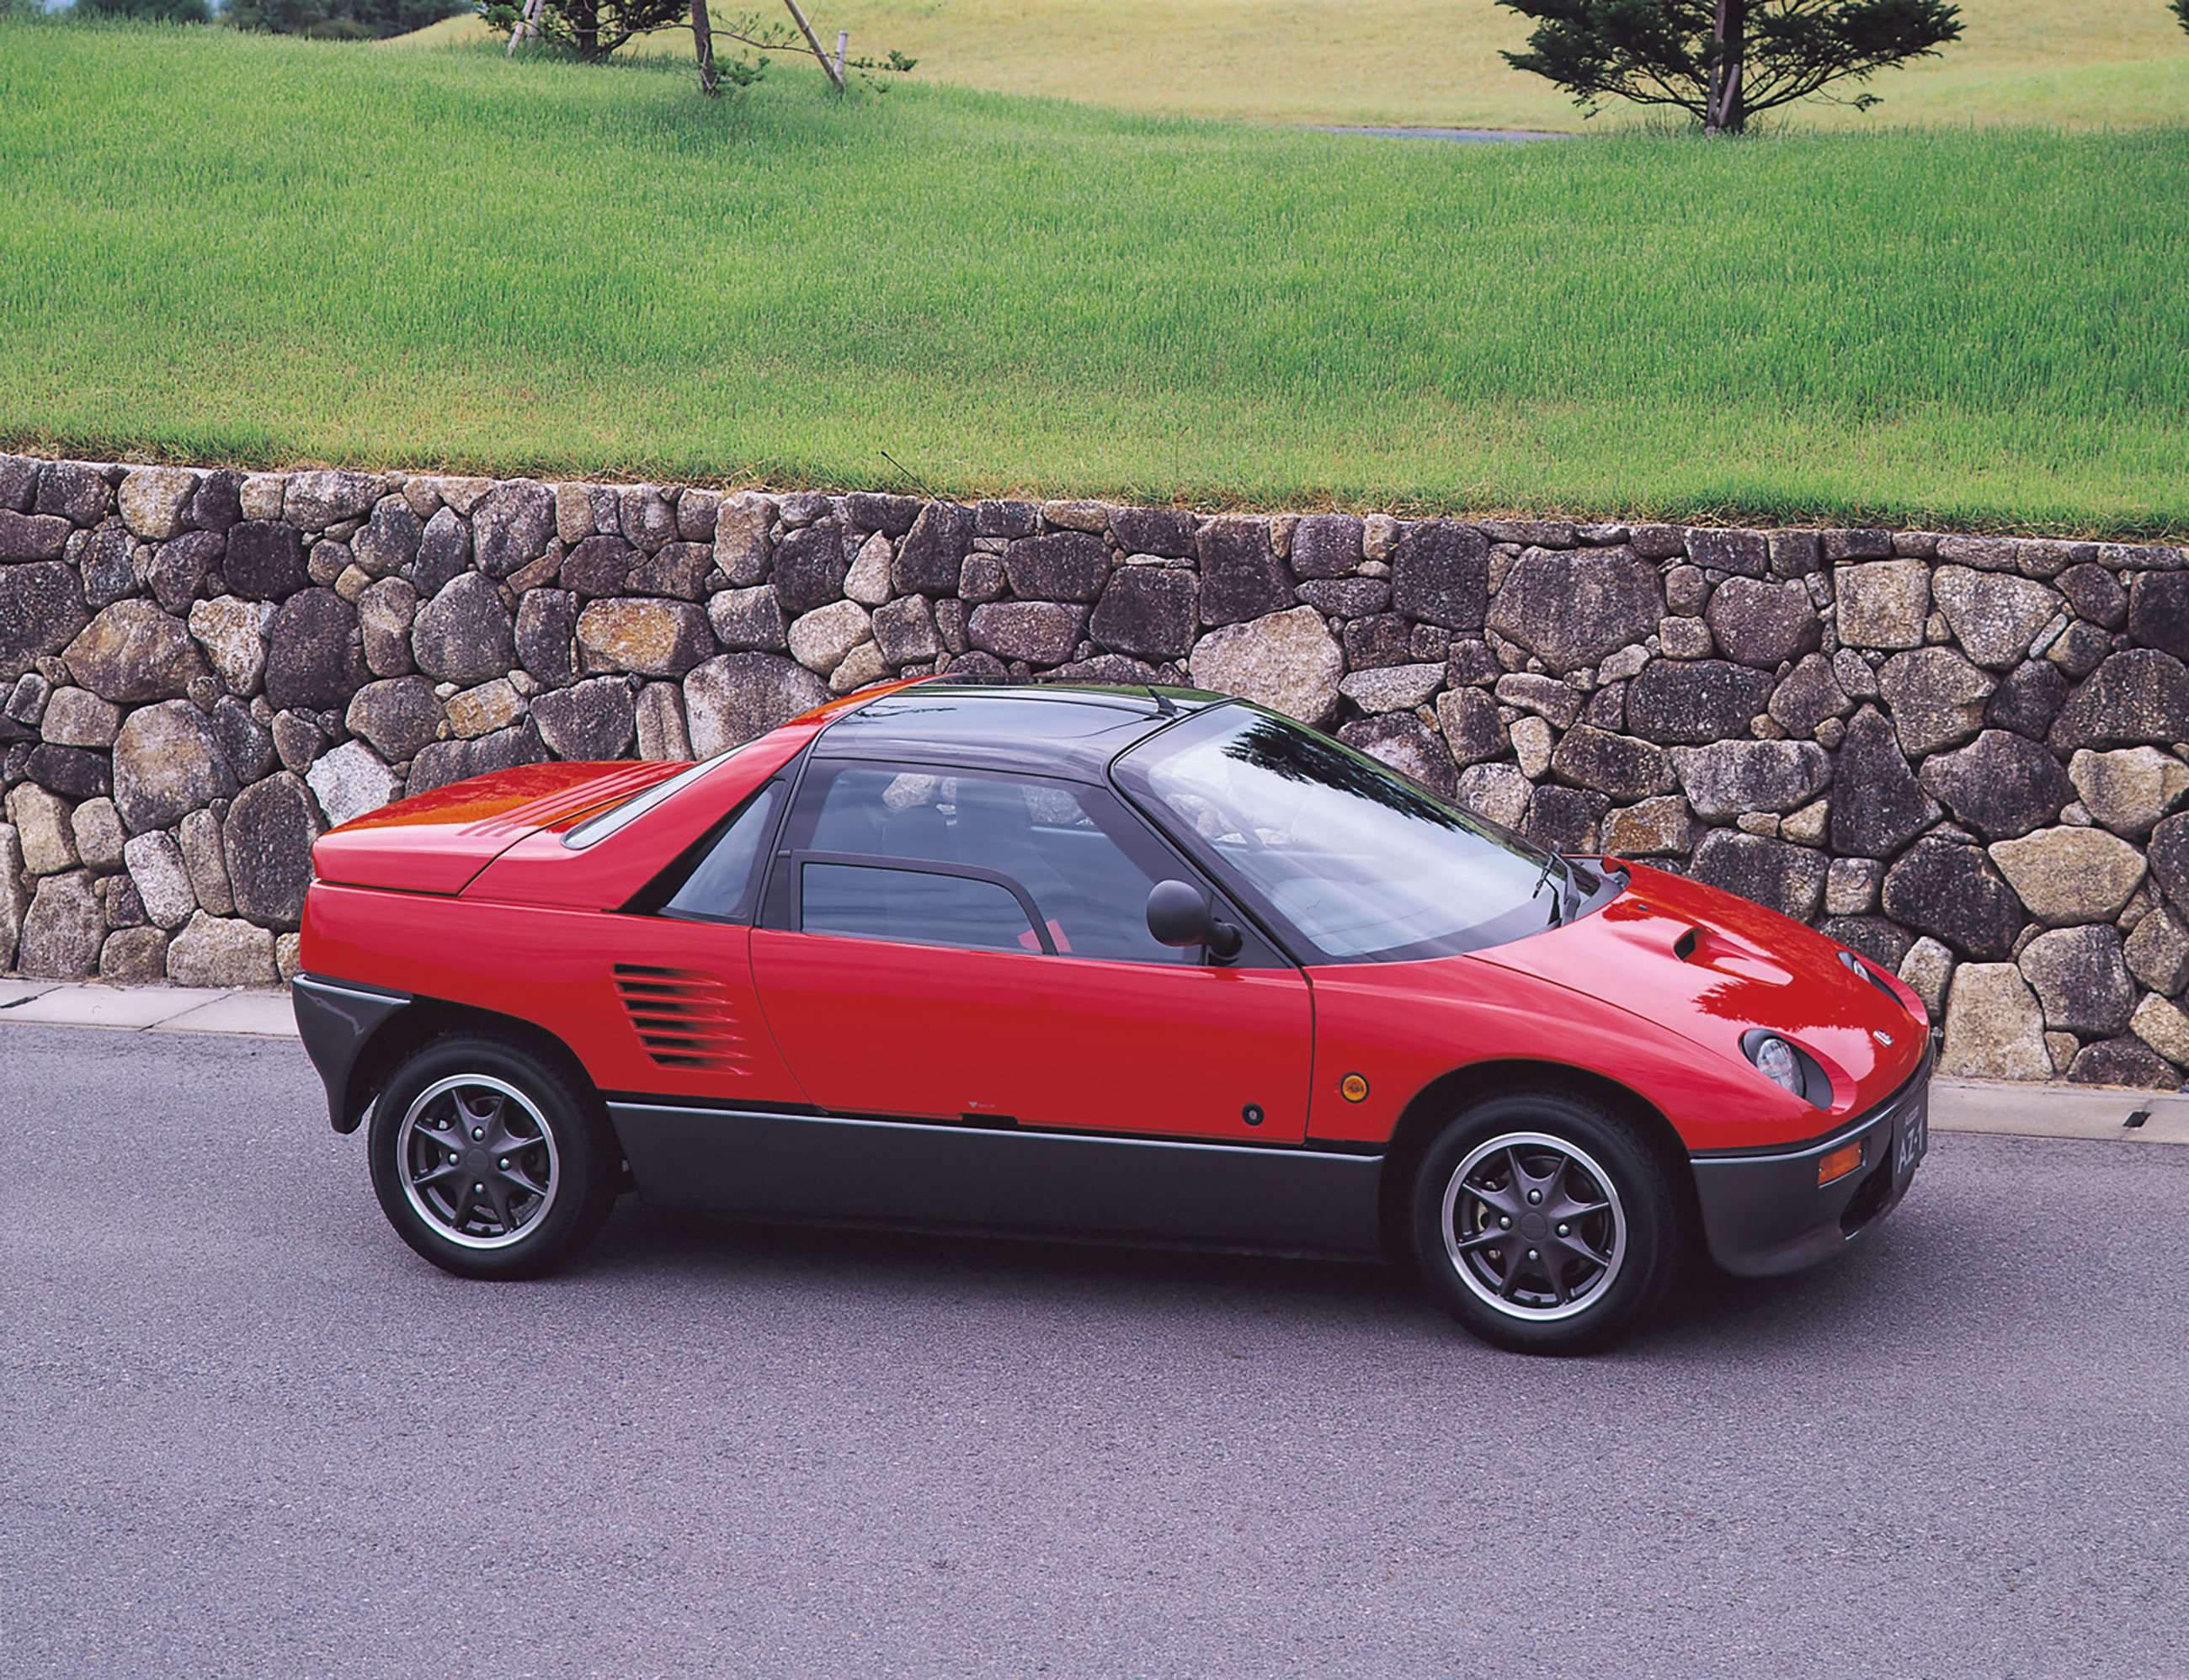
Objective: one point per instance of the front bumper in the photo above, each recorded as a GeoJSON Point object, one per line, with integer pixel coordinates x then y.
{"type": "Point", "coordinates": [334, 1018]}
{"type": "Point", "coordinates": [1763, 1213]}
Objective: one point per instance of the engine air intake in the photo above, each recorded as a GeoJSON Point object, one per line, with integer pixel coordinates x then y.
{"type": "Point", "coordinates": [685, 1018]}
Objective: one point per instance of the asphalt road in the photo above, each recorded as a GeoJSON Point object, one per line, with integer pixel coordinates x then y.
{"type": "Point", "coordinates": [243, 1430]}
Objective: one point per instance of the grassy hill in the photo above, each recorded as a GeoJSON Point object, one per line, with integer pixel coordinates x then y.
{"type": "Point", "coordinates": [2077, 64]}
{"type": "Point", "coordinates": [268, 250]}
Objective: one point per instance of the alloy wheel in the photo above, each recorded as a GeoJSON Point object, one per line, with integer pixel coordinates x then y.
{"type": "Point", "coordinates": [477, 1161]}
{"type": "Point", "coordinates": [1533, 1227]}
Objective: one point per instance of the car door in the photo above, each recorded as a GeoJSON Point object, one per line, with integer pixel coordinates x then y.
{"type": "Point", "coordinates": [946, 944]}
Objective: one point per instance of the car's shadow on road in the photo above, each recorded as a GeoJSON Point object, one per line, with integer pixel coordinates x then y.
{"type": "Point", "coordinates": [1886, 1292]}
{"type": "Point", "coordinates": [1867, 1293]}
{"type": "Point", "coordinates": [955, 1262]}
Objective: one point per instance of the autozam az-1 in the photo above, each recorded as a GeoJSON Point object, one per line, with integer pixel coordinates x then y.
{"type": "Point", "coordinates": [1115, 963]}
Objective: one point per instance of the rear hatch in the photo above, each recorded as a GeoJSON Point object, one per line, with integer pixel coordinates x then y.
{"type": "Point", "coordinates": [438, 842]}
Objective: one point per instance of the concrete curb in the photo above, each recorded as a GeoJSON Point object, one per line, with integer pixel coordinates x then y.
{"type": "Point", "coordinates": [148, 1009]}
{"type": "Point", "coordinates": [2008, 1110]}
{"type": "Point", "coordinates": [1995, 1107]}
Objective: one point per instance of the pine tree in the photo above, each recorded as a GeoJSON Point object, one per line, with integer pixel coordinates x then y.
{"type": "Point", "coordinates": [1726, 61]}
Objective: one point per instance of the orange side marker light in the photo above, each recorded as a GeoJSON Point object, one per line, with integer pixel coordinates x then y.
{"type": "Point", "coordinates": [1839, 1164]}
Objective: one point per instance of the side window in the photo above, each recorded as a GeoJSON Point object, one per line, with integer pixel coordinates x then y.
{"type": "Point", "coordinates": [724, 886]}
{"type": "Point", "coordinates": [1089, 866]}
{"type": "Point", "coordinates": [913, 907]}
{"type": "Point", "coordinates": [886, 813]}
{"type": "Point", "coordinates": [1086, 862]}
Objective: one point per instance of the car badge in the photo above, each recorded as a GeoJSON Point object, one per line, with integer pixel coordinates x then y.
{"type": "Point", "coordinates": [1883, 1038]}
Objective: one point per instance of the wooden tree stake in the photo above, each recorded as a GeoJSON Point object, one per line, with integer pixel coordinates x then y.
{"type": "Point", "coordinates": [805, 29]}
{"type": "Point", "coordinates": [527, 26]}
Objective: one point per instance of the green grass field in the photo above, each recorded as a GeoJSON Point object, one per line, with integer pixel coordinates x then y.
{"type": "Point", "coordinates": [266, 251]}
{"type": "Point", "coordinates": [2075, 64]}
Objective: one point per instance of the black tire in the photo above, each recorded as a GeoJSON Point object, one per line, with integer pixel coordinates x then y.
{"type": "Point", "coordinates": [554, 1134]}
{"type": "Point", "coordinates": [1585, 1305]}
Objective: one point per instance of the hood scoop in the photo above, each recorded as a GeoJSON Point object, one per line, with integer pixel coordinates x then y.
{"type": "Point", "coordinates": [1724, 953]}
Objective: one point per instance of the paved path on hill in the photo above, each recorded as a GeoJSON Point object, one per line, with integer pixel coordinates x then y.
{"type": "Point", "coordinates": [1461, 135]}
{"type": "Point", "coordinates": [244, 1430]}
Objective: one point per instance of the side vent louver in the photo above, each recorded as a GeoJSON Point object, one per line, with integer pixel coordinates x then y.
{"type": "Point", "coordinates": [685, 1018]}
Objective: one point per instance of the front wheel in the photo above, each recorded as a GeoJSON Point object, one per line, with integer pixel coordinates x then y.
{"type": "Point", "coordinates": [1545, 1223]}
{"type": "Point", "coordinates": [487, 1161]}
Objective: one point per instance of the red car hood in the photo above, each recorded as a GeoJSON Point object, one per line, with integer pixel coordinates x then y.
{"type": "Point", "coordinates": [1709, 966]}
{"type": "Point", "coordinates": [438, 841]}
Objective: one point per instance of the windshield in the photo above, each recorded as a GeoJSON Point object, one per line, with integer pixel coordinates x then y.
{"type": "Point", "coordinates": [1362, 862]}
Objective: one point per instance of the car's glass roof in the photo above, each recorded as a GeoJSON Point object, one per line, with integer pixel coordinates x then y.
{"type": "Point", "coordinates": [1054, 729]}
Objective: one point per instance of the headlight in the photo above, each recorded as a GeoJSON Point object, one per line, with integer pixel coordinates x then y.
{"type": "Point", "coordinates": [1775, 1060]}
{"type": "Point", "coordinates": [1787, 1066]}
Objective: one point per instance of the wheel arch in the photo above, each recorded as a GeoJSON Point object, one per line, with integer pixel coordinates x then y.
{"type": "Point", "coordinates": [424, 1019]}
{"type": "Point", "coordinates": [1436, 1104]}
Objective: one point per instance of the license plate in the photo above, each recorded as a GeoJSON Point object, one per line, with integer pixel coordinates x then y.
{"type": "Point", "coordinates": [1914, 1137]}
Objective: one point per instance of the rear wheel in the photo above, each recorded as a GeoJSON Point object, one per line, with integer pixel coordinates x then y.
{"type": "Point", "coordinates": [487, 1161]}
{"type": "Point", "coordinates": [1545, 1223]}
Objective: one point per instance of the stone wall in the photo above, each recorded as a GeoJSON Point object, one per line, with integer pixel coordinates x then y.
{"type": "Point", "coordinates": [1961, 755]}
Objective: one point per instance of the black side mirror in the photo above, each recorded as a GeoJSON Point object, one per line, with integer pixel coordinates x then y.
{"type": "Point", "coordinates": [1179, 914]}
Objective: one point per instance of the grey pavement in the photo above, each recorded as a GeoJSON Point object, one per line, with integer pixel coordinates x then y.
{"type": "Point", "coordinates": [254, 1012]}
{"type": "Point", "coordinates": [243, 1430]}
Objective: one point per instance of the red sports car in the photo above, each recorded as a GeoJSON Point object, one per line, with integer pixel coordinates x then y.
{"type": "Point", "coordinates": [1112, 962]}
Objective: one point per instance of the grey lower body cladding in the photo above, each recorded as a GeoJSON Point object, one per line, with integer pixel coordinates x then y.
{"type": "Point", "coordinates": [335, 1019]}
{"type": "Point", "coordinates": [901, 1172]}
{"type": "Point", "coordinates": [1764, 1212]}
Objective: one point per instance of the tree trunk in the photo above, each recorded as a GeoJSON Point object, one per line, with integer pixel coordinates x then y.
{"type": "Point", "coordinates": [703, 44]}
{"type": "Point", "coordinates": [585, 27]}
{"type": "Point", "coordinates": [1728, 113]}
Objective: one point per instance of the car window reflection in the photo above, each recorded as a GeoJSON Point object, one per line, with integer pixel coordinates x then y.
{"type": "Point", "coordinates": [1362, 862]}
